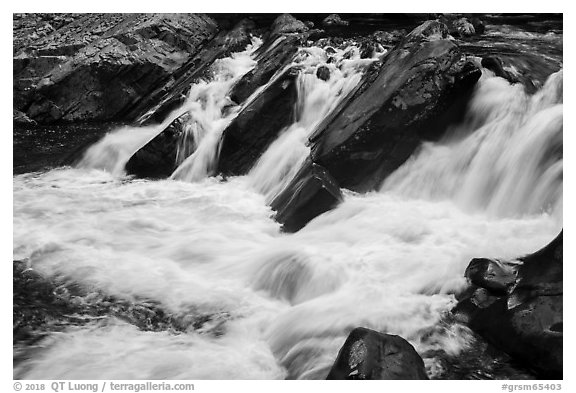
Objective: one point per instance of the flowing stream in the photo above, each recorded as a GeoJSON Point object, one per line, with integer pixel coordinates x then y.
{"type": "Point", "coordinates": [281, 305]}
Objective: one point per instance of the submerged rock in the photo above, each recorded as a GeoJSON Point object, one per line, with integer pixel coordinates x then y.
{"type": "Point", "coordinates": [43, 304]}
{"type": "Point", "coordinates": [258, 125]}
{"type": "Point", "coordinates": [368, 354]}
{"type": "Point", "coordinates": [525, 317]}
{"type": "Point", "coordinates": [98, 66]}
{"type": "Point", "coordinates": [162, 155]}
{"type": "Point", "coordinates": [312, 192]}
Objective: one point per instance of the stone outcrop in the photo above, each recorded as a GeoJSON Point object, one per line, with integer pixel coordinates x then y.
{"type": "Point", "coordinates": [171, 93]}
{"type": "Point", "coordinates": [518, 306]}
{"type": "Point", "coordinates": [462, 28]}
{"type": "Point", "coordinates": [334, 20]}
{"type": "Point", "coordinates": [371, 355]}
{"type": "Point", "coordinates": [286, 23]}
{"type": "Point", "coordinates": [312, 192]}
{"type": "Point", "coordinates": [162, 155]}
{"type": "Point", "coordinates": [273, 56]}
{"type": "Point", "coordinates": [258, 125]}
{"type": "Point", "coordinates": [95, 67]}
{"type": "Point", "coordinates": [419, 89]}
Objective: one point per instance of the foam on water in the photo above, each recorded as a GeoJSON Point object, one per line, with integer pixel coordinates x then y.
{"type": "Point", "coordinates": [316, 99]}
{"type": "Point", "coordinates": [377, 261]}
{"type": "Point", "coordinates": [505, 161]}
{"type": "Point", "coordinates": [390, 260]}
{"type": "Point", "coordinates": [205, 103]}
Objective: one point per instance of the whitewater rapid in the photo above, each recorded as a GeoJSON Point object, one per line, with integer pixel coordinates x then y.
{"type": "Point", "coordinates": [391, 260]}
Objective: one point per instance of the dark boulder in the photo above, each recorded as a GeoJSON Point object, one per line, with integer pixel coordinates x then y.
{"type": "Point", "coordinates": [371, 355]}
{"type": "Point", "coordinates": [421, 87]}
{"type": "Point", "coordinates": [96, 67]}
{"type": "Point", "coordinates": [286, 23]}
{"type": "Point", "coordinates": [463, 25]}
{"type": "Point", "coordinates": [388, 39]}
{"type": "Point", "coordinates": [523, 318]}
{"type": "Point", "coordinates": [334, 20]}
{"type": "Point", "coordinates": [312, 192]}
{"type": "Point", "coordinates": [478, 24]}
{"type": "Point", "coordinates": [462, 28]}
{"type": "Point", "coordinates": [162, 155]}
{"type": "Point", "coordinates": [258, 125]}
{"type": "Point", "coordinates": [495, 275]}
{"type": "Point", "coordinates": [378, 41]}
{"type": "Point", "coordinates": [496, 65]}
{"type": "Point", "coordinates": [272, 57]}
{"type": "Point", "coordinates": [367, 50]}
{"type": "Point", "coordinates": [329, 50]}
{"type": "Point", "coordinates": [431, 30]}
{"type": "Point", "coordinates": [323, 73]}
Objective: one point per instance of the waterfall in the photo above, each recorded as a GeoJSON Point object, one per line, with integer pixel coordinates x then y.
{"type": "Point", "coordinates": [209, 108]}
{"type": "Point", "coordinates": [246, 301]}
{"type": "Point", "coordinates": [316, 99]}
{"type": "Point", "coordinates": [505, 160]}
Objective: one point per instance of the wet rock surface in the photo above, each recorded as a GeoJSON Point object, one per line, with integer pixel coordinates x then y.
{"type": "Point", "coordinates": [334, 20]}
{"type": "Point", "coordinates": [287, 23]}
{"type": "Point", "coordinates": [258, 124]}
{"type": "Point", "coordinates": [312, 192]}
{"type": "Point", "coordinates": [368, 354]}
{"type": "Point", "coordinates": [414, 95]}
{"type": "Point", "coordinates": [162, 155]}
{"type": "Point", "coordinates": [97, 66]}
{"type": "Point", "coordinates": [524, 317]}
{"type": "Point", "coordinates": [172, 92]}
{"type": "Point", "coordinates": [272, 57]}
{"type": "Point", "coordinates": [419, 89]}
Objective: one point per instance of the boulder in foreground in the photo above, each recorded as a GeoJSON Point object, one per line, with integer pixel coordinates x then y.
{"type": "Point", "coordinates": [368, 354]}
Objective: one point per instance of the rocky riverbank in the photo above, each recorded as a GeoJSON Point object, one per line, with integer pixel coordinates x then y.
{"type": "Point", "coordinates": [78, 76]}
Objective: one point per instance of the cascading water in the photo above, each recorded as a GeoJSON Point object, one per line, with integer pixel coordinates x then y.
{"type": "Point", "coordinates": [316, 99]}
{"type": "Point", "coordinates": [278, 305]}
{"type": "Point", "coordinates": [505, 161]}
{"type": "Point", "coordinates": [205, 103]}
